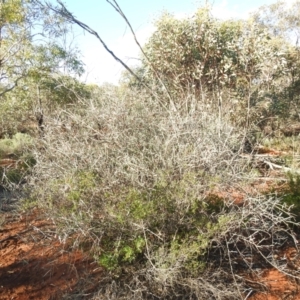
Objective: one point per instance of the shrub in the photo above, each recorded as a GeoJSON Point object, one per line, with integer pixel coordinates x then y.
{"type": "Point", "coordinates": [129, 179]}
{"type": "Point", "coordinates": [16, 160]}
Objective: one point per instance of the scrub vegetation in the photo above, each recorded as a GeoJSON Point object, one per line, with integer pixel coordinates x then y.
{"type": "Point", "coordinates": [133, 174]}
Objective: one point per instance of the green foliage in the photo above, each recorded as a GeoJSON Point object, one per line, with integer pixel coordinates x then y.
{"type": "Point", "coordinates": [35, 69]}
{"type": "Point", "coordinates": [188, 251]}
{"type": "Point", "coordinates": [282, 23]}
{"type": "Point", "coordinates": [157, 210]}
{"type": "Point", "coordinates": [51, 58]}
{"type": "Point", "coordinates": [62, 90]}
{"type": "Point", "coordinates": [79, 186]}
{"type": "Point", "coordinates": [108, 261]}
{"type": "Point", "coordinates": [16, 151]}
{"type": "Point", "coordinates": [251, 67]}
{"type": "Point", "coordinates": [123, 253]}
{"type": "Point", "coordinates": [292, 196]}
{"type": "Point", "coordinates": [209, 54]}
{"type": "Point", "coordinates": [17, 145]}
{"type": "Point", "coordinates": [13, 176]}
{"type": "Point", "coordinates": [145, 205]}
{"type": "Point", "coordinates": [280, 19]}
{"type": "Point", "coordinates": [11, 12]}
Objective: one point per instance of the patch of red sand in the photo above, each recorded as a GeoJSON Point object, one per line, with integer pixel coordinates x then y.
{"type": "Point", "coordinates": [278, 286]}
{"type": "Point", "coordinates": [266, 150]}
{"type": "Point", "coordinates": [33, 266]}
{"type": "Point", "coordinates": [237, 194]}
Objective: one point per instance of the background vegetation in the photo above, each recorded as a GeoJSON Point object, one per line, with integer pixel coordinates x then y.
{"type": "Point", "coordinates": [129, 173]}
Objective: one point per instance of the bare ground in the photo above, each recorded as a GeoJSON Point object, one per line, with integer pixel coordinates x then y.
{"type": "Point", "coordinates": [34, 266]}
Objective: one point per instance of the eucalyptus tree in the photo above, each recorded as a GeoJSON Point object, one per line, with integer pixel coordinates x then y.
{"type": "Point", "coordinates": [223, 63]}
{"type": "Point", "coordinates": [35, 61]}
{"type": "Point", "coordinates": [282, 21]}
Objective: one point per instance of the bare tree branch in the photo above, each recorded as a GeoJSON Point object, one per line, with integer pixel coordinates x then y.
{"type": "Point", "coordinates": [12, 87]}
{"type": "Point", "coordinates": [63, 11]}
{"type": "Point", "coordinates": [116, 6]}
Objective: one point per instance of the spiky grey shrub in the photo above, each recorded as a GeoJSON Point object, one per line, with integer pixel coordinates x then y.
{"type": "Point", "coordinates": [127, 179]}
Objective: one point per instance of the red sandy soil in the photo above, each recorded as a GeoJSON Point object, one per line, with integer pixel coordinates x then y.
{"type": "Point", "coordinates": [33, 266]}
{"type": "Point", "coordinates": [277, 285]}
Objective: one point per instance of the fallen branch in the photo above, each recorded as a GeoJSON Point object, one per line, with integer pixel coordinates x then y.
{"type": "Point", "coordinates": [273, 166]}
{"type": "Point", "coordinates": [262, 159]}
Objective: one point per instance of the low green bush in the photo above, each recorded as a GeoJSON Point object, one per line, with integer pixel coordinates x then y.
{"type": "Point", "coordinates": [291, 196]}
{"type": "Point", "coordinates": [17, 145]}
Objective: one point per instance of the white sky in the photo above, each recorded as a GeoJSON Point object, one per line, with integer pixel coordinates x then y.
{"type": "Point", "coordinates": [101, 16]}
